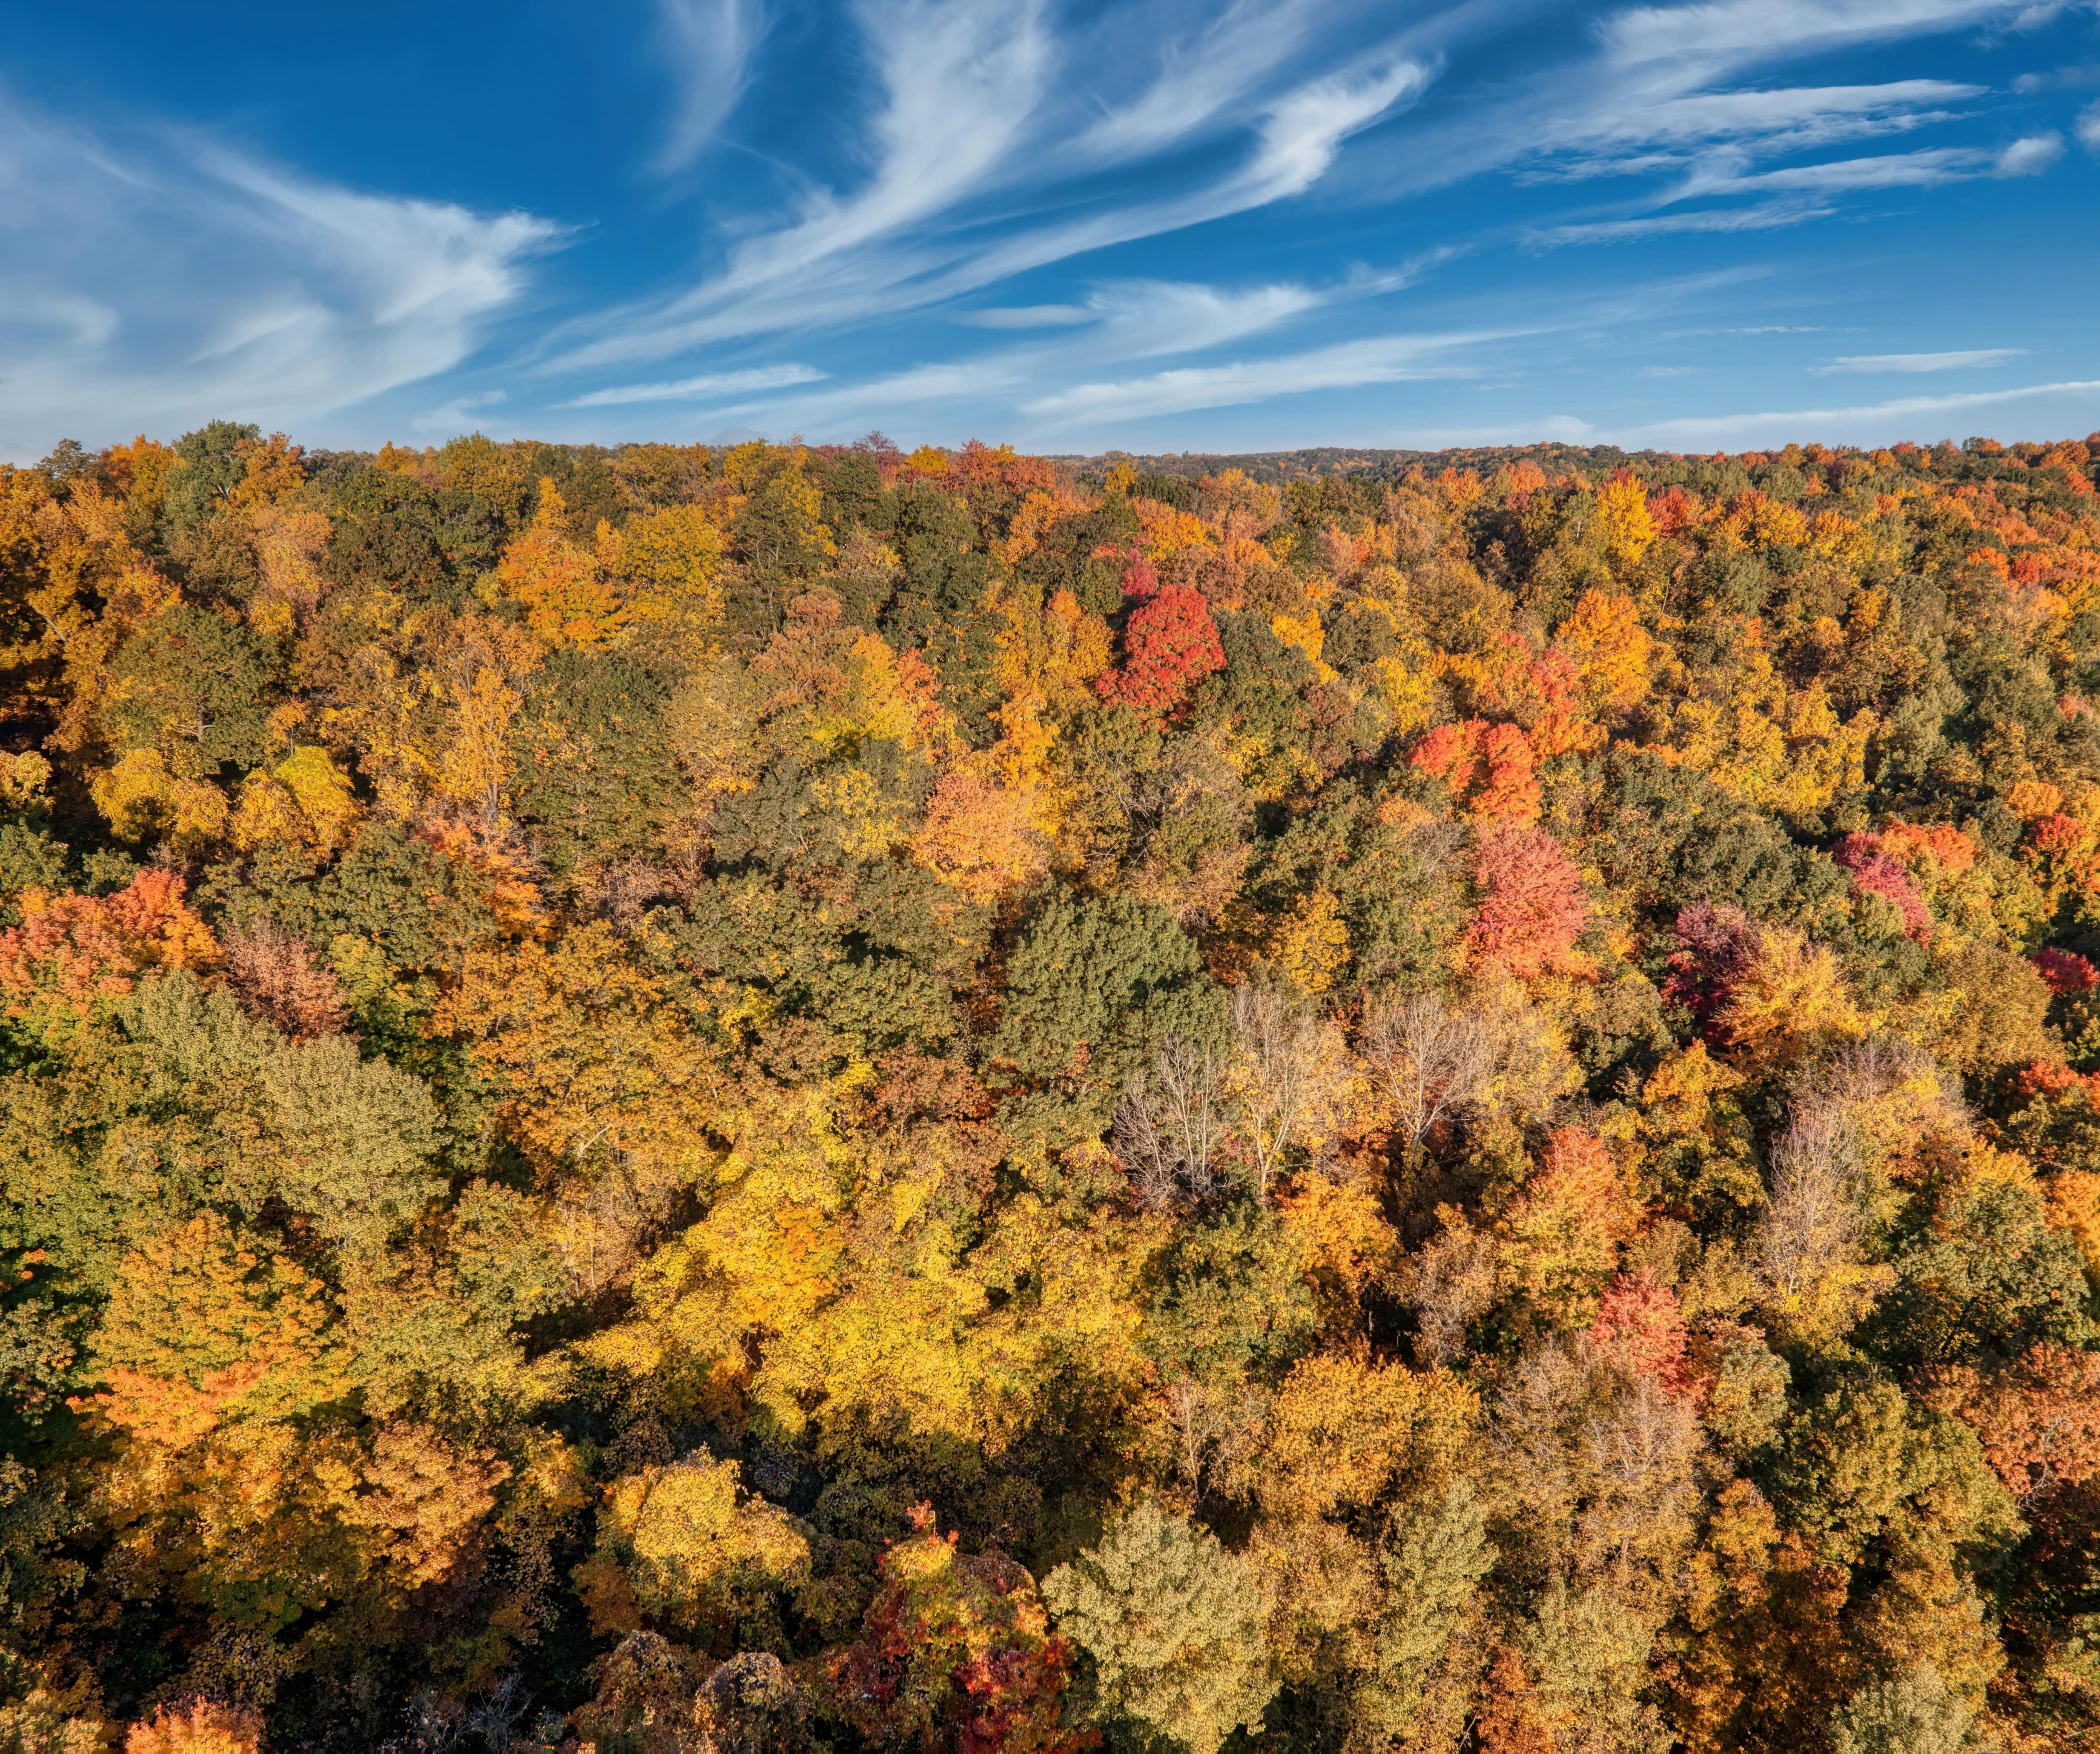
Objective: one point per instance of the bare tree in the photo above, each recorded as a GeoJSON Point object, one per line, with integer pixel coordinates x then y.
{"type": "Point", "coordinates": [1813, 1220]}
{"type": "Point", "coordinates": [1287, 1080]}
{"type": "Point", "coordinates": [1428, 1061]}
{"type": "Point", "coordinates": [1451, 1283]}
{"type": "Point", "coordinates": [1169, 1126]}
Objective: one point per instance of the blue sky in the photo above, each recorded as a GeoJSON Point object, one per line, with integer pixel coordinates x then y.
{"type": "Point", "coordinates": [1163, 225]}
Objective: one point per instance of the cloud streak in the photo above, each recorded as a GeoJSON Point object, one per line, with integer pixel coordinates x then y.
{"type": "Point", "coordinates": [708, 387]}
{"type": "Point", "coordinates": [1971, 359]}
{"type": "Point", "coordinates": [709, 44]}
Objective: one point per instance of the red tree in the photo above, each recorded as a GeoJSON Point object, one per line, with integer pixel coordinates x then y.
{"type": "Point", "coordinates": [1875, 873]}
{"type": "Point", "coordinates": [1532, 909]}
{"type": "Point", "coordinates": [1170, 643]}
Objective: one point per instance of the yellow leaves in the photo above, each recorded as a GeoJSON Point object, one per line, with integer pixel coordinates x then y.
{"type": "Point", "coordinates": [877, 702]}
{"type": "Point", "coordinates": [1760, 522]}
{"type": "Point", "coordinates": [595, 1066]}
{"type": "Point", "coordinates": [1056, 654]}
{"type": "Point", "coordinates": [669, 564]}
{"type": "Point", "coordinates": [1311, 943]}
{"type": "Point", "coordinates": [1776, 748]}
{"type": "Point", "coordinates": [1409, 692]}
{"type": "Point", "coordinates": [1610, 648]}
{"type": "Point", "coordinates": [287, 544]}
{"type": "Point", "coordinates": [23, 778]}
{"type": "Point", "coordinates": [1349, 1247]}
{"type": "Point", "coordinates": [1791, 994]}
{"type": "Point", "coordinates": [322, 792]}
{"type": "Point", "coordinates": [2032, 799]}
{"type": "Point", "coordinates": [686, 1548]}
{"type": "Point", "coordinates": [1342, 1428]}
{"type": "Point", "coordinates": [1303, 633]}
{"type": "Point", "coordinates": [1622, 515]}
{"type": "Point", "coordinates": [424, 1498]}
{"type": "Point", "coordinates": [1835, 537]}
{"type": "Point", "coordinates": [560, 585]}
{"type": "Point", "coordinates": [875, 819]}
{"type": "Point", "coordinates": [1167, 536]}
{"type": "Point", "coordinates": [139, 796]}
{"type": "Point", "coordinates": [304, 802]}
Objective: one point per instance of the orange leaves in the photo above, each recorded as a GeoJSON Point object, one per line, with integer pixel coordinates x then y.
{"type": "Point", "coordinates": [559, 584]}
{"type": "Point", "coordinates": [424, 1498]}
{"type": "Point", "coordinates": [1560, 1239]}
{"type": "Point", "coordinates": [200, 1328]}
{"type": "Point", "coordinates": [1532, 908]}
{"type": "Point", "coordinates": [979, 836]}
{"type": "Point", "coordinates": [1641, 1325]}
{"type": "Point", "coordinates": [199, 1727]}
{"type": "Point", "coordinates": [2039, 1418]}
{"type": "Point", "coordinates": [1486, 767]}
{"type": "Point", "coordinates": [71, 950]}
{"type": "Point", "coordinates": [1673, 511]}
{"type": "Point", "coordinates": [1940, 845]}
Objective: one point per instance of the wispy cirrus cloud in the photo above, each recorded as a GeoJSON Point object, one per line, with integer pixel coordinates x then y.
{"type": "Point", "coordinates": [707, 387]}
{"type": "Point", "coordinates": [1765, 216]}
{"type": "Point", "coordinates": [990, 154]}
{"type": "Point", "coordinates": [1970, 359]}
{"type": "Point", "coordinates": [1381, 359]}
{"type": "Point", "coordinates": [707, 45]}
{"type": "Point", "coordinates": [2080, 395]}
{"type": "Point", "coordinates": [159, 281]}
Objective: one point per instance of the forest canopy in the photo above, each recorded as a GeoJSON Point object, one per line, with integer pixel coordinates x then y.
{"type": "Point", "coordinates": [703, 1100]}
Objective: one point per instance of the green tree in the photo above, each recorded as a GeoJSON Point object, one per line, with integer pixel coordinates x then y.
{"type": "Point", "coordinates": [1174, 1625]}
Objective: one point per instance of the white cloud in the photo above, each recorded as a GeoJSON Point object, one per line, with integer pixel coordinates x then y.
{"type": "Point", "coordinates": [1769, 216]}
{"type": "Point", "coordinates": [988, 146]}
{"type": "Point", "coordinates": [1027, 317]}
{"type": "Point", "coordinates": [459, 414]}
{"type": "Point", "coordinates": [1201, 74]}
{"type": "Point", "coordinates": [709, 44]}
{"type": "Point", "coordinates": [1971, 359]}
{"type": "Point", "coordinates": [2030, 156]}
{"type": "Point", "coordinates": [1897, 415]}
{"type": "Point", "coordinates": [1377, 360]}
{"type": "Point", "coordinates": [708, 387]}
{"type": "Point", "coordinates": [160, 283]}
{"type": "Point", "coordinates": [1747, 32]}
{"type": "Point", "coordinates": [2088, 127]}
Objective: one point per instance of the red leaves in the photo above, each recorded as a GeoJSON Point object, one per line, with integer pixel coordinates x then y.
{"type": "Point", "coordinates": [1715, 948]}
{"type": "Point", "coordinates": [955, 1652]}
{"type": "Point", "coordinates": [1641, 1324]}
{"type": "Point", "coordinates": [1875, 873]}
{"type": "Point", "coordinates": [1170, 643]}
{"type": "Point", "coordinates": [2067, 973]}
{"type": "Point", "coordinates": [1532, 909]}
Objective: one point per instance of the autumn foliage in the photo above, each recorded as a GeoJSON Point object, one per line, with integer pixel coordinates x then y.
{"type": "Point", "coordinates": [758, 1098]}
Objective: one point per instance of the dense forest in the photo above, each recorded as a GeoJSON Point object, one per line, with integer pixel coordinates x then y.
{"type": "Point", "coordinates": [735, 1100]}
